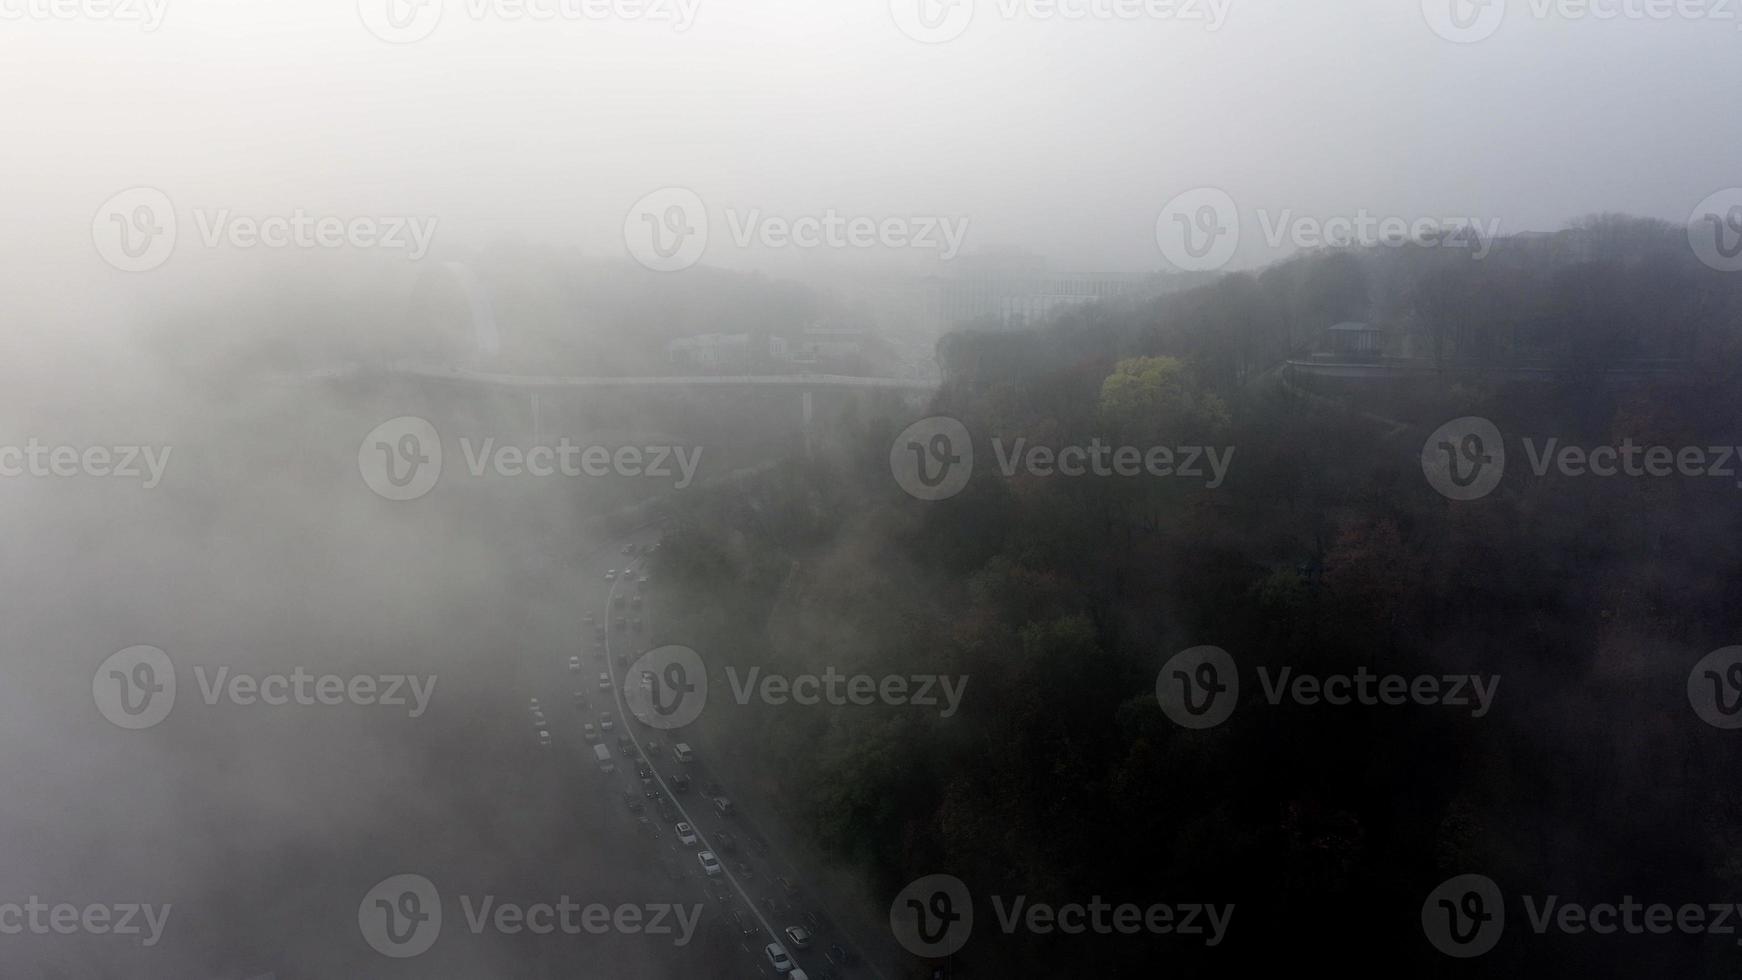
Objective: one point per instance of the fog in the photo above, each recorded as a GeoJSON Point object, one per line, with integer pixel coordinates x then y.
{"type": "Point", "coordinates": [729, 280]}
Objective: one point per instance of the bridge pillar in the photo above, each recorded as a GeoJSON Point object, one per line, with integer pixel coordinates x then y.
{"type": "Point", "coordinates": [807, 410]}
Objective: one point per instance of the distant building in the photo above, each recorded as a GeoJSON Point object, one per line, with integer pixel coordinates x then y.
{"type": "Point", "coordinates": [722, 351]}
{"type": "Point", "coordinates": [1355, 340]}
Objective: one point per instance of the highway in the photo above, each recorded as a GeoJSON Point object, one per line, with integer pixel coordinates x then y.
{"type": "Point", "coordinates": [751, 871]}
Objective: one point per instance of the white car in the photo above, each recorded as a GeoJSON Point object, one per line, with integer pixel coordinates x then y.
{"type": "Point", "coordinates": [592, 735]}
{"type": "Point", "coordinates": [538, 717]}
{"type": "Point", "coordinates": [544, 738]}
{"type": "Point", "coordinates": [604, 682]}
{"type": "Point", "coordinates": [710, 864]}
{"type": "Point", "coordinates": [777, 958]}
{"type": "Point", "coordinates": [533, 703]}
{"type": "Point", "coordinates": [686, 835]}
{"type": "Point", "coordinates": [799, 937]}
{"type": "Point", "coordinates": [682, 752]}
{"type": "Point", "coordinates": [575, 664]}
{"type": "Point", "coordinates": [606, 722]}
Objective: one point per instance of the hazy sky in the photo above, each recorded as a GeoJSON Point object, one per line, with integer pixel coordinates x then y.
{"type": "Point", "coordinates": [1065, 136]}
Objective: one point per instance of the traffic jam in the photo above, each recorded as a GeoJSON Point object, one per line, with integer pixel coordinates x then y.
{"type": "Point", "coordinates": [686, 823]}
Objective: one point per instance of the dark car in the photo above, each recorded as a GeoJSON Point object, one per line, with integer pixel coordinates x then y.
{"type": "Point", "coordinates": [746, 925]}
{"type": "Point", "coordinates": [632, 801]}
{"type": "Point", "coordinates": [726, 843]}
{"type": "Point", "coordinates": [680, 783]}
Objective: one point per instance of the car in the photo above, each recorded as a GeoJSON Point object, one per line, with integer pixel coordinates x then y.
{"type": "Point", "coordinates": [727, 843]}
{"type": "Point", "coordinates": [616, 602]}
{"type": "Point", "coordinates": [575, 664]}
{"type": "Point", "coordinates": [622, 660]}
{"type": "Point", "coordinates": [651, 791]}
{"type": "Point", "coordinates": [643, 579]}
{"type": "Point", "coordinates": [686, 835]}
{"type": "Point", "coordinates": [532, 703]}
{"type": "Point", "coordinates": [599, 633]}
{"type": "Point", "coordinates": [579, 698]}
{"type": "Point", "coordinates": [720, 891]}
{"type": "Point", "coordinates": [652, 747]}
{"type": "Point", "coordinates": [632, 801]}
{"type": "Point", "coordinates": [680, 783]}
{"type": "Point", "coordinates": [646, 826]}
{"type": "Point", "coordinates": [744, 924]}
{"type": "Point", "coordinates": [635, 602]}
{"type": "Point", "coordinates": [618, 624]}
{"type": "Point", "coordinates": [644, 772]}
{"type": "Point", "coordinates": [604, 682]}
{"type": "Point", "coordinates": [610, 575]}
{"type": "Point", "coordinates": [778, 958]}
{"type": "Point", "coordinates": [635, 624]}
{"type": "Point", "coordinates": [544, 738]}
{"type": "Point", "coordinates": [538, 718]}
{"type": "Point", "coordinates": [607, 721]}
{"type": "Point", "coordinates": [723, 806]}
{"type": "Point", "coordinates": [629, 549]}
{"type": "Point", "coordinates": [799, 937]}
{"type": "Point", "coordinates": [681, 752]}
{"type": "Point", "coordinates": [787, 886]}
{"type": "Point", "coordinates": [839, 956]}
{"type": "Point", "coordinates": [666, 812]}
{"type": "Point", "coordinates": [710, 864]}
{"type": "Point", "coordinates": [591, 733]}
{"type": "Point", "coordinates": [744, 871]}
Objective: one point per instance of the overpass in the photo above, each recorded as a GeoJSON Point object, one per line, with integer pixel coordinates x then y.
{"type": "Point", "coordinates": [544, 391]}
